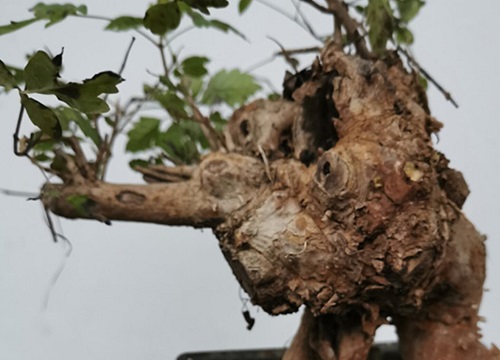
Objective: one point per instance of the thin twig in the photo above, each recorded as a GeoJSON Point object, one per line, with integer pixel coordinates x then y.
{"type": "Point", "coordinates": [266, 162]}
{"type": "Point", "coordinates": [119, 126]}
{"type": "Point", "coordinates": [61, 266]}
{"type": "Point", "coordinates": [163, 174]}
{"type": "Point", "coordinates": [16, 135]}
{"type": "Point", "coordinates": [305, 50]}
{"type": "Point", "coordinates": [124, 62]}
{"type": "Point", "coordinates": [260, 63]}
{"type": "Point", "coordinates": [299, 51]}
{"type": "Point", "coordinates": [215, 142]}
{"type": "Point", "coordinates": [318, 7]}
{"type": "Point", "coordinates": [43, 170]}
{"type": "Point", "coordinates": [285, 54]}
{"type": "Point", "coordinates": [161, 47]}
{"type": "Point", "coordinates": [104, 18]}
{"type": "Point", "coordinates": [181, 32]}
{"type": "Point", "coordinates": [337, 32]}
{"type": "Point", "coordinates": [306, 22]}
{"type": "Point", "coordinates": [413, 62]}
{"type": "Point", "coordinates": [287, 15]}
{"type": "Point", "coordinates": [50, 223]}
{"type": "Point", "coordinates": [338, 9]}
{"type": "Point", "coordinates": [183, 171]}
{"type": "Point", "coordinates": [24, 194]}
{"type": "Point", "coordinates": [80, 160]}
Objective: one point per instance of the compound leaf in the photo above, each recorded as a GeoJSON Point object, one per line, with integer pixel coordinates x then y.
{"type": "Point", "coordinates": [232, 87]}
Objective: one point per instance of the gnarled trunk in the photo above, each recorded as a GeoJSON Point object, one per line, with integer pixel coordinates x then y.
{"type": "Point", "coordinates": [337, 201]}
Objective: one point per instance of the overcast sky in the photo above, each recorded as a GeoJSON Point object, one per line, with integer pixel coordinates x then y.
{"type": "Point", "coordinates": [135, 291]}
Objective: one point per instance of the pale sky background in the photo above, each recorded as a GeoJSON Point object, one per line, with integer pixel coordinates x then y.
{"type": "Point", "coordinates": [138, 291]}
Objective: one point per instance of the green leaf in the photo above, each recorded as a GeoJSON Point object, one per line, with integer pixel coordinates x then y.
{"type": "Point", "coordinates": [380, 21]}
{"type": "Point", "coordinates": [408, 9]}
{"type": "Point", "coordinates": [18, 75]}
{"type": "Point", "coordinates": [124, 23]}
{"type": "Point", "coordinates": [218, 121]}
{"type": "Point", "coordinates": [233, 88]}
{"type": "Point", "coordinates": [175, 106]}
{"type": "Point", "coordinates": [15, 25]}
{"type": "Point", "coordinates": [41, 75]}
{"type": "Point", "coordinates": [85, 97]}
{"type": "Point", "coordinates": [102, 83]}
{"type": "Point", "coordinates": [403, 35]}
{"type": "Point", "coordinates": [44, 145]}
{"type": "Point", "coordinates": [180, 141]}
{"type": "Point", "coordinates": [224, 27]}
{"type": "Point", "coordinates": [203, 5]}
{"type": "Point", "coordinates": [7, 80]}
{"type": "Point", "coordinates": [42, 157]}
{"type": "Point", "coordinates": [202, 22]}
{"type": "Point", "coordinates": [59, 164]}
{"type": "Point", "coordinates": [360, 9]}
{"type": "Point", "coordinates": [56, 12]}
{"type": "Point", "coordinates": [41, 72]}
{"type": "Point", "coordinates": [195, 66]}
{"type": "Point", "coordinates": [196, 85]}
{"type": "Point", "coordinates": [138, 162]}
{"type": "Point", "coordinates": [423, 82]}
{"type": "Point", "coordinates": [42, 117]}
{"type": "Point", "coordinates": [161, 18]}
{"type": "Point", "coordinates": [67, 115]}
{"type": "Point", "coordinates": [243, 5]}
{"type": "Point", "coordinates": [143, 134]}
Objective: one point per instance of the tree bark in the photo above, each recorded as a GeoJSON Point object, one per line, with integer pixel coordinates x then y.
{"type": "Point", "coordinates": [362, 226]}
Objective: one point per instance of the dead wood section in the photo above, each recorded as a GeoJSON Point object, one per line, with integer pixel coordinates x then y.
{"type": "Point", "coordinates": [364, 230]}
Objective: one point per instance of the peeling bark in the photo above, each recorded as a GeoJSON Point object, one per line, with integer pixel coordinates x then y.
{"type": "Point", "coordinates": [369, 231]}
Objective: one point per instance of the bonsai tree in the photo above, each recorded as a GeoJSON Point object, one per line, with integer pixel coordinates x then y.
{"type": "Point", "coordinates": [329, 195]}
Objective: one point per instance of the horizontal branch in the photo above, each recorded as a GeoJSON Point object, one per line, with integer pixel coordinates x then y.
{"type": "Point", "coordinates": [179, 203]}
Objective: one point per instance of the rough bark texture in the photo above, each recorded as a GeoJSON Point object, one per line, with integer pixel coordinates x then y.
{"type": "Point", "coordinates": [336, 201]}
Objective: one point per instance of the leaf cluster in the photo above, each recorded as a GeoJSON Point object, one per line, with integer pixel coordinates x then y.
{"type": "Point", "coordinates": [181, 137]}
{"type": "Point", "coordinates": [387, 20]}
{"type": "Point", "coordinates": [41, 76]}
{"type": "Point", "coordinates": [182, 91]}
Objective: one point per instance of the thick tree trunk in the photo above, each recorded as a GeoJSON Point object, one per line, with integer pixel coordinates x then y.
{"type": "Point", "coordinates": [336, 201]}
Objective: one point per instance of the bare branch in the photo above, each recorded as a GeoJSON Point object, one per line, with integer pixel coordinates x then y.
{"type": "Point", "coordinates": [25, 151]}
{"type": "Point", "coordinates": [80, 160]}
{"type": "Point", "coordinates": [24, 194]}
{"type": "Point", "coordinates": [180, 203]}
{"type": "Point", "coordinates": [341, 13]}
{"type": "Point", "coordinates": [291, 17]}
{"type": "Point", "coordinates": [414, 63]}
{"type": "Point", "coordinates": [127, 53]}
{"type": "Point", "coordinates": [213, 138]}
{"type": "Point", "coordinates": [306, 22]}
{"type": "Point", "coordinates": [161, 173]}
